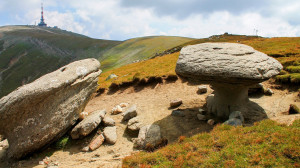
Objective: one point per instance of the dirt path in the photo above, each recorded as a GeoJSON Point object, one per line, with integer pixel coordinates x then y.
{"type": "Point", "coordinates": [153, 108]}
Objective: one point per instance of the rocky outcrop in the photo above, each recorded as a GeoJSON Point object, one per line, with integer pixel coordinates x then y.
{"type": "Point", "coordinates": [230, 68]}
{"type": "Point", "coordinates": [87, 125]}
{"type": "Point", "coordinates": [40, 112]}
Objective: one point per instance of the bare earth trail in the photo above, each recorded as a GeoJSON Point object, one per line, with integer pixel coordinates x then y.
{"type": "Point", "coordinates": [153, 108]}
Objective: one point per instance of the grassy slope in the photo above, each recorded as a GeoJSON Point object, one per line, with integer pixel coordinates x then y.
{"type": "Point", "coordinates": [266, 144]}
{"type": "Point", "coordinates": [28, 52]}
{"type": "Point", "coordinates": [165, 65]}
{"type": "Point", "coordinates": [139, 49]}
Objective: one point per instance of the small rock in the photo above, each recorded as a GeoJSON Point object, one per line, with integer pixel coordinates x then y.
{"type": "Point", "coordinates": [82, 115]}
{"type": "Point", "coordinates": [234, 122]}
{"type": "Point", "coordinates": [111, 76]}
{"type": "Point", "coordinates": [178, 113]}
{"type": "Point", "coordinates": [4, 143]}
{"type": "Point", "coordinates": [116, 110]}
{"type": "Point", "coordinates": [176, 103]}
{"type": "Point", "coordinates": [123, 105]}
{"type": "Point", "coordinates": [201, 111]}
{"type": "Point", "coordinates": [97, 142]}
{"type": "Point", "coordinates": [237, 115]}
{"type": "Point", "coordinates": [134, 125]}
{"type": "Point", "coordinates": [202, 89]}
{"type": "Point", "coordinates": [107, 121]}
{"type": "Point", "coordinates": [294, 109]}
{"type": "Point", "coordinates": [211, 122]}
{"type": "Point", "coordinates": [149, 134]}
{"type": "Point", "coordinates": [87, 125]}
{"type": "Point", "coordinates": [41, 163]}
{"type": "Point", "coordinates": [85, 149]}
{"type": "Point", "coordinates": [111, 152]}
{"type": "Point", "coordinates": [269, 92]}
{"type": "Point", "coordinates": [201, 117]}
{"type": "Point", "coordinates": [110, 134]}
{"type": "Point", "coordinates": [129, 113]}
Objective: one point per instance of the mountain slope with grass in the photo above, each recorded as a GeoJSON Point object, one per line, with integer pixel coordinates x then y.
{"type": "Point", "coordinates": [28, 52]}
{"type": "Point", "coordinates": [138, 49]}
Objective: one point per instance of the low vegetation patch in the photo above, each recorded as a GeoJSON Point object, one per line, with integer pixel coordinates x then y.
{"type": "Point", "coordinates": [266, 144]}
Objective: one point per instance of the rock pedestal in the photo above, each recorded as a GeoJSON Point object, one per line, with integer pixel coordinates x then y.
{"type": "Point", "coordinates": [39, 113]}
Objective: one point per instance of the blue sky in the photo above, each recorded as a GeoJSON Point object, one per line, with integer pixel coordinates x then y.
{"type": "Point", "coordinates": [124, 19]}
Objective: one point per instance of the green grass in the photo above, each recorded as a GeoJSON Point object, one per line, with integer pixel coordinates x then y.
{"type": "Point", "coordinates": [266, 144]}
{"type": "Point", "coordinates": [62, 142]}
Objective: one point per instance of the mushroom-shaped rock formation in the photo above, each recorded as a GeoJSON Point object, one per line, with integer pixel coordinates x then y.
{"type": "Point", "coordinates": [40, 112]}
{"type": "Point", "coordinates": [230, 68]}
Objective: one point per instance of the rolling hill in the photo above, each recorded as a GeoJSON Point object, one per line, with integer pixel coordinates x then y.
{"type": "Point", "coordinates": [28, 52]}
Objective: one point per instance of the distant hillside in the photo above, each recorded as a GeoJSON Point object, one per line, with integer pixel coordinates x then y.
{"type": "Point", "coordinates": [28, 52]}
{"type": "Point", "coordinates": [138, 49]}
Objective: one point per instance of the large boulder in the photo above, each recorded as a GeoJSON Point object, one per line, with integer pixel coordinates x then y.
{"type": "Point", "coordinates": [149, 134]}
{"type": "Point", "coordinates": [231, 69]}
{"type": "Point", "coordinates": [39, 113]}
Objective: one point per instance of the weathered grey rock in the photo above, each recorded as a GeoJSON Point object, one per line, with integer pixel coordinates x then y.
{"type": "Point", "coordinates": [134, 125]}
{"type": "Point", "coordinates": [149, 134]}
{"type": "Point", "coordinates": [96, 142]}
{"type": "Point", "coordinates": [230, 68]}
{"type": "Point", "coordinates": [201, 117]}
{"type": "Point", "coordinates": [202, 89]}
{"type": "Point", "coordinates": [116, 110]}
{"type": "Point", "coordinates": [234, 122]}
{"type": "Point", "coordinates": [111, 76]}
{"type": "Point", "coordinates": [110, 134]}
{"type": "Point", "coordinates": [40, 112]}
{"type": "Point", "coordinates": [129, 113]}
{"type": "Point", "coordinates": [107, 121]}
{"type": "Point", "coordinates": [175, 103]}
{"type": "Point", "coordinates": [178, 113]}
{"type": "Point", "coordinates": [269, 92]}
{"type": "Point", "coordinates": [87, 125]}
{"type": "Point", "coordinates": [237, 115]}
{"type": "Point", "coordinates": [85, 149]}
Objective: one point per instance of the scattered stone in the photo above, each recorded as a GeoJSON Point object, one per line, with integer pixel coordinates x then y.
{"type": "Point", "coordinates": [201, 111]}
{"type": "Point", "coordinates": [178, 113]}
{"type": "Point", "coordinates": [234, 122]}
{"type": "Point", "coordinates": [230, 68]}
{"type": "Point", "coordinates": [294, 109]}
{"type": "Point", "coordinates": [82, 115]}
{"type": "Point", "coordinates": [51, 103]}
{"type": "Point", "coordinates": [149, 134]}
{"type": "Point", "coordinates": [85, 149]}
{"type": "Point", "coordinates": [237, 115]}
{"type": "Point", "coordinates": [269, 92]}
{"type": "Point", "coordinates": [116, 110]}
{"type": "Point", "coordinates": [4, 144]}
{"type": "Point", "coordinates": [176, 103]}
{"type": "Point", "coordinates": [123, 105]}
{"type": "Point", "coordinates": [97, 142]}
{"type": "Point", "coordinates": [87, 125]}
{"type": "Point", "coordinates": [111, 76]}
{"type": "Point", "coordinates": [129, 113]}
{"type": "Point", "coordinates": [111, 152]}
{"type": "Point", "coordinates": [211, 122]}
{"type": "Point", "coordinates": [201, 117]}
{"type": "Point", "coordinates": [202, 89]}
{"type": "Point", "coordinates": [107, 121]}
{"type": "Point", "coordinates": [110, 134]}
{"type": "Point", "coordinates": [134, 125]}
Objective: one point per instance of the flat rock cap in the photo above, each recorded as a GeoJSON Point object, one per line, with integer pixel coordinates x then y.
{"type": "Point", "coordinates": [225, 63]}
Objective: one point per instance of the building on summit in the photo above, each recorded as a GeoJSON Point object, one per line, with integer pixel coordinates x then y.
{"type": "Point", "coordinates": [42, 22]}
